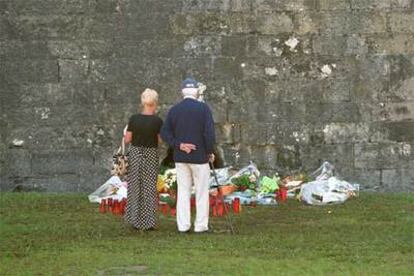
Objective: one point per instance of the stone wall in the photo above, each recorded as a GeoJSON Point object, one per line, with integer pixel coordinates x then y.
{"type": "Point", "coordinates": [291, 83]}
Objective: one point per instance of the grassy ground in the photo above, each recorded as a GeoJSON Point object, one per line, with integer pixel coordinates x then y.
{"type": "Point", "coordinates": [46, 234]}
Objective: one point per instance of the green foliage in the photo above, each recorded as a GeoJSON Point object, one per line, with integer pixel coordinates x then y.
{"type": "Point", "coordinates": [46, 234]}
{"type": "Point", "coordinates": [243, 182]}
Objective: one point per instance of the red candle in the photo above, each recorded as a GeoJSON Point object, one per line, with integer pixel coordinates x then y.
{"type": "Point", "coordinates": [236, 205]}
{"type": "Point", "coordinates": [102, 207]}
{"type": "Point", "coordinates": [220, 208]}
{"type": "Point", "coordinates": [115, 208]}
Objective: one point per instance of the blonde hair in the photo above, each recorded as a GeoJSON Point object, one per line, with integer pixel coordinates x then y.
{"type": "Point", "coordinates": [149, 97]}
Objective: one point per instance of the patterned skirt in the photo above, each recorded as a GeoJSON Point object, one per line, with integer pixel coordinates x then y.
{"type": "Point", "coordinates": [141, 208]}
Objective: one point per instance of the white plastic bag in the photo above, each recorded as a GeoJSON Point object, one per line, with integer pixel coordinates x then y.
{"type": "Point", "coordinates": [113, 188]}
{"type": "Point", "coordinates": [222, 177]}
{"type": "Point", "coordinates": [325, 171]}
{"type": "Point", "coordinates": [326, 189]}
{"type": "Point", "coordinates": [322, 192]}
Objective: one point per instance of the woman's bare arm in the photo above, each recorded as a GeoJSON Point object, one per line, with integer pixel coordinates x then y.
{"type": "Point", "coordinates": [128, 137]}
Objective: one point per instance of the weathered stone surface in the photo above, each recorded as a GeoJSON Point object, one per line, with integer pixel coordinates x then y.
{"type": "Point", "coordinates": [334, 4]}
{"type": "Point", "coordinates": [380, 4]}
{"type": "Point", "coordinates": [400, 131]}
{"type": "Point", "coordinates": [274, 23]}
{"type": "Point", "coordinates": [404, 178]}
{"type": "Point", "coordinates": [284, 5]}
{"type": "Point", "coordinates": [291, 83]}
{"type": "Point", "coordinates": [391, 45]}
{"type": "Point", "coordinates": [402, 22]}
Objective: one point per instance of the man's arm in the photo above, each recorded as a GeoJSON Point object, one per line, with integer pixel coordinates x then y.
{"type": "Point", "coordinates": [167, 133]}
{"type": "Point", "coordinates": [209, 132]}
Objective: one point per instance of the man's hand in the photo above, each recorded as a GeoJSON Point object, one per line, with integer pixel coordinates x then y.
{"type": "Point", "coordinates": [187, 148]}
{"type": "Point", "coordinates": [211, 158]}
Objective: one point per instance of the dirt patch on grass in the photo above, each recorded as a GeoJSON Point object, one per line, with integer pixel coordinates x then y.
{"type": "Point", "coordinates": [129, 270]}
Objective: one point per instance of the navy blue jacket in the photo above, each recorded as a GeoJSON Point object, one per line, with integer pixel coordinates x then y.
{"type": "Point", "coordinates": [190, 121]}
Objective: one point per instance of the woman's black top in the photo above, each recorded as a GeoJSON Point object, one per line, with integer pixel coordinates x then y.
{"type": "Point", "coordinates": [145, 130]}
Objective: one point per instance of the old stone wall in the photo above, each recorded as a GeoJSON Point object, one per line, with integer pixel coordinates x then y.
{"type": "Point", "coordinates": [291, 83]}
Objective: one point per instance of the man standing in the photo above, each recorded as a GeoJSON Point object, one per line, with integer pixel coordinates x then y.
{"type": "Point", "coordinates": [189, 129]}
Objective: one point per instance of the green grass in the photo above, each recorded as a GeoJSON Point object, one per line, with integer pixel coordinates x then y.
{"type": "Point", "coordinates": [47, 234]}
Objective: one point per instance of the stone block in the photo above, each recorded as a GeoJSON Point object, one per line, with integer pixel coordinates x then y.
{"type": "Point", "coordinates": [367, 22]}
{"type": "Point", "coordinates": [78, 50]}
{"type": "Point", "coordinates": [356, 45]}
{"type": "Point", "coordinates": [199, 23]}
{"type": "Point", "coordinates": [329, 45]}
{"type": "Point", "coordinates": [402, 71]}
{"type": "Point", "coordinates": [281, 45]}
{"type": "Point", "coordinates": [134, 26]}
{"type": "Point", "coordinates": [30, 71]}
{"type": "Point", "coordinates": [235, 155]}
{"type": "Point", "coordinates": [149, 7]}
{"type": "Point", "coordinates": [284, 5]}
{"type": "Point", "coordinates": [334, 5]}
{"type": "Point", "coordinates": [401, 180]}
{"type": "Point", "coordinates": [276, 133]}
{"type": "Point", "coordinates": [62, 183]}
{"type": "Point", "coordinates": [402, 22]}
{"type": "Point", "coordinates": [17, 162]}
{"type": "Point", "coordinates": [234, 46]}
{"type": "Point", "coordinates": [73, 71]}
{"type": "Point", "coordinates": [400, 131]}
{"type": "Point", "coordinates": [307, 22]}
{"type": "Point", "coordinates": [60, 162]}
{"type": "Point", "coordinates": [45, 27]}
{"type": "Point", "coordinates": [337, 133]}
{"type": "Point", "coordinates": [206, 5]}
{"type": "Point", "coordinates": [20, 50]}
{"type": "Point", "coordinates": [391, 45]}
{"type": "Point", "coordinates": [340, 22]}
{"type": "Point", "coordinates": [337, 90]}
{"type": "Point", "coordinates": [274, 23]}
{"type": "Point", "coordinates": [227, 69]}
{"type": "Point", "coordinates": [368, 179]}
{"type": "Point", "coordinates": [340, 155]}
{"type": "Point", "coordinates": [401, 90]}
{"type": "Point", "coordinates": [346, 112]}
{"type": "Point", "coordinates": [380, 4]}
{"type": "Point", "coordinates": [228, 133]}
{"type": "Point", "coordinates": [271, 158]}
{"type": "Point", "coordinates": [383, 155]}
{"type": "Point", "coordinates": [202, 46]}
{"type": "Point", "coordinates": [240, 23]}
{"type": "Point", "coordinates": [51, 7]}
{"type": "Point", "coordinates": [398, 111]}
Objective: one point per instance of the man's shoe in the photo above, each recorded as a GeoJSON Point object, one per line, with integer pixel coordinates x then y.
{"type": "Point", "coordinates": [184, 232]}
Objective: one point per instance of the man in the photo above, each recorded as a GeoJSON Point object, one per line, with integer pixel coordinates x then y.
{"type": "Point", "coordinates": [189, 129]}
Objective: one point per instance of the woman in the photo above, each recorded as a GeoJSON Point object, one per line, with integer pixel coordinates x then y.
{"type": "Point", "coordinates": [143, 134]}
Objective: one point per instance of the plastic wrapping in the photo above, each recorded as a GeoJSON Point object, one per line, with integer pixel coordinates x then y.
{"type": "Point", "coordinates": [327, 189]}
{"type": "Point", "coordinates": [222, 177]}
{"type": "Point", "coordinates": [113, 188]}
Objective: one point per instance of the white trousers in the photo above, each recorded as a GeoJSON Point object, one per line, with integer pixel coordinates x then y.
{"type": "Point", "coordinates": [187, 176]}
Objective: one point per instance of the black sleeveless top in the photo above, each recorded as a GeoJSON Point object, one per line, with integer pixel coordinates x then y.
{"type": "Point", "coordinates": [145, 130]}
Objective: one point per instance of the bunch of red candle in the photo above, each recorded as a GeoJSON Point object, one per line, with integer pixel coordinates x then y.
{"type": "Point", "coordinates": [219, 208]}
{"type": "Point", "coordinates": [114, 206]}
